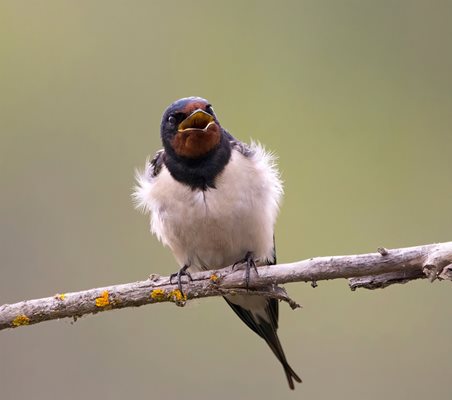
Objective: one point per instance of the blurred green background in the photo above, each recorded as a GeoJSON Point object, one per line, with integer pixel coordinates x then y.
{"type": "Point", "coordinates": [356, 99]}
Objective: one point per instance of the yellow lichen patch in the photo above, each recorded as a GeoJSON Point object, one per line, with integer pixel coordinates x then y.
{"type": "Point", "coordinates": [20, 320]}
{"type": "Point", "coordinates": [214, 278]}
{"type": "Point", "coordinates": [103, 300]}
{"type": "Point", "coordinates": [176, 296]}
{"type": "Point", "coordinates": [59, 296]}
{"type": "Point", "coordinates": [158, 294]}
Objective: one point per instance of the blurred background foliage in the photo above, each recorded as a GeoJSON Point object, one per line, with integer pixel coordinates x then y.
{"type": "Point", "coordinates": [354, 96]}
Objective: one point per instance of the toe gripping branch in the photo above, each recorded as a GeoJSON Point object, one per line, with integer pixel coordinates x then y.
{"type": "Point", "coordinates": [249, 262]}
{"type": "Point", "coordinates": [179, 274]}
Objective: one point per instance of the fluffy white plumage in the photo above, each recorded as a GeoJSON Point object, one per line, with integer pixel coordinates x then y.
{"type": "Point", "coordinates": [217, 227]}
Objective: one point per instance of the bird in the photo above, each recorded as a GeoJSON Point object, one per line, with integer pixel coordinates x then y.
{"type": "Point", "coordinates": [213, 200]}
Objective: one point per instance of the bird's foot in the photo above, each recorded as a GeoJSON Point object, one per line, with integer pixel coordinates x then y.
{"type": "Point", "coordinates": [179, 274]}
{"type": "Point", "coordinates": [249, 262]}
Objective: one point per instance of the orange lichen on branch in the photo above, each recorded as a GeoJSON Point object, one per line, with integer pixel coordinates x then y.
{"type": "Point", "coordinates": [176, 296]}
{"type": "Point", "coordinates": [20, 320]}
{"type": "Point", "coordinates": [59, 296]}
{"type": "Point", "coordinates": [103, 300]}
{"type": "Point", "coordinates": [214, 278]}
{"type": "Point", "coordinates": [158, 294]}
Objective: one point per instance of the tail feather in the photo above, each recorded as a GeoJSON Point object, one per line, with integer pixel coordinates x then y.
{"type": "Point", "coordinates": [291, 375]}
{"type": "Point", "coordinates": [272, 339]}
{"type": "Point", "coordinates": [264, 321]}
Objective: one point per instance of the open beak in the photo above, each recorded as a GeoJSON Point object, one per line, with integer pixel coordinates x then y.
{"type": "Point", "coordinates": [197, 120]}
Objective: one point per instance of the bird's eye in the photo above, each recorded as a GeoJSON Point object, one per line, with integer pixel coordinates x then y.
{"type": "Point", "coordinates": [209, 109]}
{"type": "Point", "coordinates": [176, 118]}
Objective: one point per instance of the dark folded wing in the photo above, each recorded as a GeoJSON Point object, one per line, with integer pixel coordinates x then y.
{"type": "Point", "coordinates": [156, 164]}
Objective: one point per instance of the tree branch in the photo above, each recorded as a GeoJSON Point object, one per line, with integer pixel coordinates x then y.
{"type": "Point", "coordinates": [374, 270]}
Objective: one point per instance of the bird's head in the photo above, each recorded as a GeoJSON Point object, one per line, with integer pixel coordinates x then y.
{"type": "Point", "coordinates": [190, 128]}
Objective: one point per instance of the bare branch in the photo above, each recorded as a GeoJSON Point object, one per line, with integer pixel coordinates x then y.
{"type": "Point", "coordinates": [374, 270]}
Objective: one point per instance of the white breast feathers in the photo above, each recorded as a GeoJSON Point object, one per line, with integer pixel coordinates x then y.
{"type": "Point", "coordinates": [216, 227]}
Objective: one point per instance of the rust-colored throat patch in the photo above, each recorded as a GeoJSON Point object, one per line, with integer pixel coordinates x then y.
{"type": "Point", "coordinates": [196, 135]}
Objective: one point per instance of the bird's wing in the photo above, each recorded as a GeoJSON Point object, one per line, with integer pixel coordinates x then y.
{"type": "Point", "coordinates": [145, 178]}
{"type": "Point", "coordinates": [155, 165]}
{"type": "Point", "coordinates": [241, 147]}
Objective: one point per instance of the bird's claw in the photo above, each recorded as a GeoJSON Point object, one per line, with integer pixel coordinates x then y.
{"type": "Point", "coordinates": [183, 271]}
{"type": "Point", "coordinates": [249, 262]}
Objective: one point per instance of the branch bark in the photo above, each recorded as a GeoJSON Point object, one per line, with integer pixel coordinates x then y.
{"type": "Point", "coordinates": [373, 270]}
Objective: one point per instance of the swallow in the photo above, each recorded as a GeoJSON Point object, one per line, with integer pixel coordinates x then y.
{"type": "Point", "coordinates": [213, 200]}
